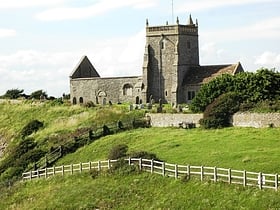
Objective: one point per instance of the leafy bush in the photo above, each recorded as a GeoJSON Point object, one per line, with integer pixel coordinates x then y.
{"type": "Point", "coordinates": [117, 152]}
{"type": "Point", "coordinates": [145, 155]}
{"type": "Point", "coordinates": [31, 127]}
{"type": "Point", "coordinates": [218, 113]}
{"type": "Point", "coordinates": [121, 167]}
{"type": "Point", "coordinates": [19, 158]}
{"type": "Point", "coordinates": [90, 104]}
{"type": "Point", "coordinates": [252, 87]}
{"type": "Point", "coordinates": [10, 173]}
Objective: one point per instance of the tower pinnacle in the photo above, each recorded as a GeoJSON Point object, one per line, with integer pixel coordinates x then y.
{"type": "Point", "coordinates": [190, 21]}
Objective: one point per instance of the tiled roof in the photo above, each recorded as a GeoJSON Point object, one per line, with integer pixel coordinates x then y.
{"type": "Point", "coordinates": [203, 74]}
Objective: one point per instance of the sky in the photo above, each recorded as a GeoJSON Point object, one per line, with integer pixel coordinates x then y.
{"type": "Point", "coordinates": [41, 41]}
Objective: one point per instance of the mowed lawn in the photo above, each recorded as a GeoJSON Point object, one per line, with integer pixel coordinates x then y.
{"type": "Point", "coordinates": [250, 149]}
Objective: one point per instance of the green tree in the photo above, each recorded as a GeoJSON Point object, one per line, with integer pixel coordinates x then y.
{"type": "Point", "coordinates": [13, 93]}
{"type": "Point", "coordinates": [39, 94]}
{"type": "Point", "coordinates": [252, 88]}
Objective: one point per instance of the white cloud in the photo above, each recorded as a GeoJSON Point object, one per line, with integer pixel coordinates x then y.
{"type": "Point", "coordinates": [200, 5]}
{"type": "Point", "coordinates": [4, 4]}
{"type": "Point", "coordinates": [33, 70]}
{"type": "Point", "coordinates": [101, 7]}
{"type": "Point", "coordinates": [7, 32]}
{"type": "Point", "coordinates": [269, 60]}
{"type": "Point", "coordinates": [265, 29]}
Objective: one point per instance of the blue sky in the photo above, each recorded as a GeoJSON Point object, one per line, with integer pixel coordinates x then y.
{"type": "Point", "coordinates": [42, 40]}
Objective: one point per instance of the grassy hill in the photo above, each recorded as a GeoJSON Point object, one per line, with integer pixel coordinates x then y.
{"type": "Point", "coordinates": [237, 148]}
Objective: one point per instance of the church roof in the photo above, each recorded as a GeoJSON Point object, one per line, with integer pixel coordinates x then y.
{"type": "Point", "coordinates": [84, 69]}
{"type": "Point", "coordinates": [203, 74]}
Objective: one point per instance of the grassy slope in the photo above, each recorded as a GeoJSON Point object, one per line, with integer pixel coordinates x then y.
{"type": "Point", "coordinates": [58, 119]}
{"type": "Point", "coordinates": [237, 148]}
{"type": "Point", "coordinates": [139, 191]}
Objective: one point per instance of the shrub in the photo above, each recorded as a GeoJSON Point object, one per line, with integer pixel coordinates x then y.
{"type": "Point", "coordinates": [121, 167]}
{"type": "Point", "coordinates": [89, 104]}
{"type": "Point", "coordinates": [10, 173]}
{"type": "Point", "coordinates": [144, 154]}
{"type": "Point", "coordinates": [218, 113]}
{"type": "Point", "coordinates": [31, 127]}
{"type": "Point", "coordinates": [118, 151]}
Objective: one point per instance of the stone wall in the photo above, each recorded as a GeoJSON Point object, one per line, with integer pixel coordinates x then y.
{"type": "Point", "coordinates": [256, 120]}
{"type": "Point", "coordinates": [103, 90]}
{"type": "Point", "coordinates": [173, 120]}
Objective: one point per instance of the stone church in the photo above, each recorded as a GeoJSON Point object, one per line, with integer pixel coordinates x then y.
{"type": "Point", "coordinates": [171, 71]}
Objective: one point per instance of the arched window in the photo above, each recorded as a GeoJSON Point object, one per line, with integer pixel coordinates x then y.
{"type": "Point", "coordinates": [81, 100]}
{"type": "Point", "coordinates": [137, 100]}
{"type": "Point", "coordinates": [74, 100]}
{"type": "Point", "coordinates": [127, 90]}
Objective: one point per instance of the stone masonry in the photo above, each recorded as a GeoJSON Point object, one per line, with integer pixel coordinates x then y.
{"type": "Point", "coordinates": [171, 71]}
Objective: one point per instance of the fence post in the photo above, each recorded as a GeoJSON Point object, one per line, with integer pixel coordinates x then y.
{"type": "Point", "coordinates": [152, 166]}
{"type": "Point", "coordinates": [229, 175]}
{"type": "Point", "coordinates": [129, 161]}
{"type": "Point", "coordinates": [260, 180]}
{"type": "Point", "coordinates": [176, 171]}
{"type": "Point", "coordinates": [109, 164]}
{"type": "Point", "coordinates": [189, 171]}
{"type": "Point", "coordinates": [163, 168]}
{"type": "Point", "coordinates": [71, 168]}
{"type": "Point", "coordinates": [30, 175]}
{"type": "Point", "coordinates": [276, 182]}
{"type": "Point", "coordinates": [244, 178]}
{"type": "Point", "coordinates": [201, 174]}
{"type": "Point", "coordinates": [62, 170]}
{"type": "Point", "coordinates": [89, 165]}
{"type": "Point", "coordinates": [140, 164]}
{"type": "Point", "coordinates": [46, 172]}
{"type": "Point", "coordinates": [99, 165]}
{"type": "Point", "coordinates": [53, 170]}
{"type": "Point", "coordinates": [81, 167]}
{"type": "Point", "coordinates": [215, 174]}
{"type": "Point", "coordinates": [38, 176]}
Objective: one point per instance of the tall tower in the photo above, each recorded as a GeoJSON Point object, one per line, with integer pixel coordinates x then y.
{"type": "Point", "coordinates": [169, 52]}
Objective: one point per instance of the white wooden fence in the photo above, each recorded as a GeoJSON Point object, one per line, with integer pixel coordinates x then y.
{"type": "Point", "coordinates": [245, 178]}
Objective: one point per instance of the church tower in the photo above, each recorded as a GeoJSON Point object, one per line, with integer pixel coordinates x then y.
{"type": "Point", "coordinates": [169, 52]}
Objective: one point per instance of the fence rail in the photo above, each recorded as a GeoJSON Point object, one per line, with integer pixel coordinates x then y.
{"type": "Point", "coordinates": [245, 178]}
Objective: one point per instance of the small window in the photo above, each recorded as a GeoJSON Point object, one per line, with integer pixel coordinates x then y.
{"type": "Point", "coordinates": [165, 93]}
{"type": "Point", "coordinates": [191, 95]}
{"type": "Point", "coordinates": [162, 45]}
{"type": "Point", "coordinates": [188, 44]}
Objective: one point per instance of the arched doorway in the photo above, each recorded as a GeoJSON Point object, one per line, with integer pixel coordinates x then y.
{"type": "Point", "coordinates": [81, 100]}
{"type": "Point", "coordinates": [74, 100]}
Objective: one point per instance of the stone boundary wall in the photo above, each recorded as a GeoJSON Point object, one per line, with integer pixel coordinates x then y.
{"type": "Point", "coordinates": [173, 120]}
{"type": "Point", "coordinates": [256, 120]}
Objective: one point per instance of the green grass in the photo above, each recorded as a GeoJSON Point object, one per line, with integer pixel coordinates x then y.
{"type": "Point", "coordinates": [136, 191]}
{"type": "Point", "coordinates": [237, 148]}
{"type": "Point", "coordinates": [57, 119]}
